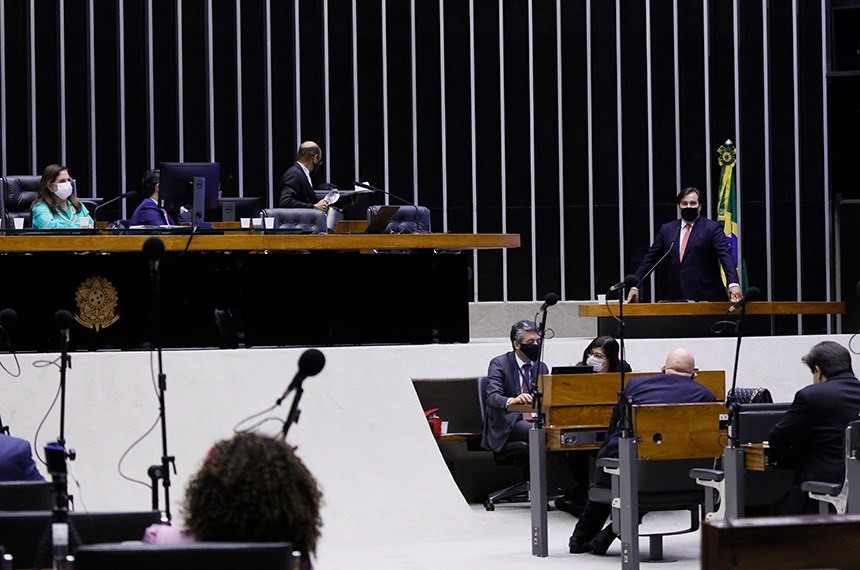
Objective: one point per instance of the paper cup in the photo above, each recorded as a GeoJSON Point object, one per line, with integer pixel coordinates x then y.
{"type": "Point", "coordinates": [19, 223]}
{"type": "Point", "coordinates": [601, 298]}
{"type": "Point", "coordinates": [246, 222]}
{"type": "Point", "coordinates": [270, 223]}
{"type": "Point", "coordinates": [257, 222]}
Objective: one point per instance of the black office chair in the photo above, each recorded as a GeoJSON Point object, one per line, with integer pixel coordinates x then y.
{"type": "Point", "coordinates": [514, 453]}
{"type": "Point", "coordinates": [26, 496]}
{"type": "Point", "coordinates": [304, 220]}
{"type": "Point", "coordinates": [407, 220]}
{"type": "Point", "coordinates": [197, 556]}
{"type": "Point", "coordinates": [19, 193]}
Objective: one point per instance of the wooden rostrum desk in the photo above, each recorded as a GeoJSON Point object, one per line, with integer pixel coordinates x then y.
{"type": "Point", "coordinates": [242, 288]}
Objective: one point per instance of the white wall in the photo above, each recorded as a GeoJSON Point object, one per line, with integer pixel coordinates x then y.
{"type": "Point", "coordinates": [361, 432]}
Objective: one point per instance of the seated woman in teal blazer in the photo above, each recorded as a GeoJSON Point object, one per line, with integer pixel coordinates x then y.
{"type": "Point", "coordinates": [56, 207]}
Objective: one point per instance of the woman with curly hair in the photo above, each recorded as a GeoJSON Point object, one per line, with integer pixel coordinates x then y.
{"type": "Point", "coordinates": [251, 488]}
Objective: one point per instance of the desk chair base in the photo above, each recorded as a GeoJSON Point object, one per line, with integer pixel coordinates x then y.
{"type": "Point", "coordinates": [517, 493]}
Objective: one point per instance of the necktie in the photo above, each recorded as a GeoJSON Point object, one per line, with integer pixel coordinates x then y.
{"type": "Point", "coordinates": [687, 231]}
{"type": "Point", "coordinates": [527, 379]}
{"type": "Point", "coordinates": [166, 219]}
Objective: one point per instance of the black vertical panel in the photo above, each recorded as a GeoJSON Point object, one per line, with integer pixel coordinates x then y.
{"type": "Point", "coordinates": [136, 103]}
{"type": "Point", "coordinates": [488, 142]}
{"type": "Point", "coordinates": [574, 71]}
{"type": "Point", "coordinates": [17, 96]}
{"type": "Point", "coordinates": [311, 68]}
{"type": "Point", "coordinates": [518, 169]}
{"type": "Point", "coordinates": [341, 81]}
{"type": "Point", "coordinates": [224, 44]}
{"type": "Point", "coordinates": [813, 206]}
{"type": "Point", "coordinates": [400, 168]}
{"type": "Point", "coordinates": [636, 137]}
{"type": "Point", "coordinates": [782, 149]}
{"type": "Point", "coordinates": [751, 157]}
{"type": "Point", "coordinates": [165, 80]}
{"type": "Point", "coordinates": [429, 103]}
{"type": "Point", "coordinates": [546, 127]}
{"type": "Point", "coordinates": [722, 80]}
{"type": "Point", "coordinates": [47, 85]}
{"type": "Point", "coordinates": [370, 134]}
{"type": "Point", "coordinates": [195, 81]}
{"type": "Point", "coordinates": [691, 96]}
{"type": "Point", "coordinates": [254, 113]}
{"type": "Point", "coordinates": [106, 76]}
{"type": "Point", "coordinates": [458, 118]}
{"type": "Point", "coordinates": [78, 96]}
{"type": "Point", "coordinates": [284, 127]}
{"type": "Point", "coordinates": [605, 123]}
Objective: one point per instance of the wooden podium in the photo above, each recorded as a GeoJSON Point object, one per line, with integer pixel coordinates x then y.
{"type": "Point", "coordinates": [661, 320]}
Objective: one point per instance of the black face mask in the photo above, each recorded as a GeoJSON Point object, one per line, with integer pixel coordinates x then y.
{"type": "Point", "coordinates": [532, 351]}
{"type": "Point", "coordinates": [689, 214]}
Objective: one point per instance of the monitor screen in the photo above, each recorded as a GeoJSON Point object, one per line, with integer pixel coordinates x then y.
{"type": "Point", "coordinates": [177, 188]}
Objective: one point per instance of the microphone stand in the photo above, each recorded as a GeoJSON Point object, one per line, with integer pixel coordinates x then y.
{"type": "Point", "coordinates": [398, 198]}
{"type": "Point", "coordinates": [731, 397]}
{"type": "Point", "coordinates": [538, 494]}
{"type": "Point", "coordinates": [161, 471]}
{"type": "Point", "coordinates": [625, 417]}
{"type": "Point", "coordinates": [294, 413]}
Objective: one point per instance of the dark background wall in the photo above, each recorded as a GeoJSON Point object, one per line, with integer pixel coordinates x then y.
{"type": "Point", "coordinates": [572, 123]}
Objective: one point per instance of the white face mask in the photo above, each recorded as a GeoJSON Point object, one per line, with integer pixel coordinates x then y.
{"type": "Point", "coordinates": [64, 190]}
{"type": "Point", "coordinates": [597, 364]}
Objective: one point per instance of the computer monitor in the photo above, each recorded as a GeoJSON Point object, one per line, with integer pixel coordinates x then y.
{"type": "Point", "coordinates": [192, 185]}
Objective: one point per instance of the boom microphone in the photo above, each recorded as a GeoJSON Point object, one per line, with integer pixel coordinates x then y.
{"type": "Point", "coordinates": [751, 294]}
{"type": "Point", "coordinates": [550, 300]}
{"type": "Point", "coordinates": [311, 362]}
{"type": "Point", "coordinates": [153, 248]}
{"type": "Point", "coordinates": [111, 201]}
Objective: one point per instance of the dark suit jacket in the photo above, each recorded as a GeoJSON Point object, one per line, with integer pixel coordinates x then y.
{"type": "Point", "coordinates": [148, 213]}
{"type": "Point", "coordinates": [657, 389]}
{"type": "Point", "coordinates": [811, 434]}
{"type": "Point", "coordinates": [16, 460]}
{"type": "Point", "coordinates": [697, 278]}
{"type": "Point", "coordinates": [504, 382]}
{"type": "Point", "coordinates": [296, 191]}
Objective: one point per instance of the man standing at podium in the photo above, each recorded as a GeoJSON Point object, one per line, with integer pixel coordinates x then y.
{"type": "Point", "coordinates": [695, 248]}
{"type": "Point", "coordinates": [297, 190]}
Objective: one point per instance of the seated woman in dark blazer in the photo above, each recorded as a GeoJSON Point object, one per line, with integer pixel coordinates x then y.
{"type": "Point", "coordinates": [602, 355]}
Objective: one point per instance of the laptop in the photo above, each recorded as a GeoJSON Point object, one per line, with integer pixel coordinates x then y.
{"type": "Point", "coordinates": [582, 369]}
{"type": "Point", "coordinates": [380, 221]}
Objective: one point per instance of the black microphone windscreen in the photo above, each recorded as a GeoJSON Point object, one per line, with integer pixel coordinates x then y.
{"type": "Point", "coordinates": [630, 281]}
{"type": "Point", "coordinates": [63, 319]}
{"type": "Point", "coordinates": [8, 317]}
{"type": "Point", "coordinates": [153, 248]}
{"type": "Point", "coordinates": [752, 294]}
{"type": "Point", "coordinates": [311, 362]}
{"type": "Point", "coordinates": [858, 288]}
{"type": "Point", "coordinates": [551, 299]}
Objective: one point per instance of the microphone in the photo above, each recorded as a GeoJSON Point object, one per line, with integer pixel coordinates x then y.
{"type": "Point", "coordinates": [659, 261]}
{"type": "Point", "coordinates": [7, 319]}
{"type": "Point", "coordinates": [64, 319]}
{"type": "Point", "coordinates": [629, 281]}
{"type": "Point", "coordinates": [311, 362]}
{"type": "Point", "coordinates": [153, 249]}
{"type": "Point", "coordinates": [111, 201]}
{"type": "Point", "coordinates": [751, 294]}
{"type": "Point", "coordinates": [550, 300]}
{"type": "Point", "coordinates": [370, 186]}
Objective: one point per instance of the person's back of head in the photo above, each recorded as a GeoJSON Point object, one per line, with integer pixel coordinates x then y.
{"type": "Point", "coordinates": [681, 362]}
{"type": "Point", "coordinates": [830, 357]}
{"type": "Point", "coordinates": [254, 488]}
{"type": "Point", "coordinates": [149, 182]}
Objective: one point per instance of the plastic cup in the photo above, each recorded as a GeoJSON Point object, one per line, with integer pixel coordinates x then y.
{"type": "Point", "coordinates": [246, 222]}
{"type": "Point", "coordinates": [270, 223]}
{"type": "Point", "coordinates": [19, 223]}
{"type": "Point", "coordinates": [257, 222]}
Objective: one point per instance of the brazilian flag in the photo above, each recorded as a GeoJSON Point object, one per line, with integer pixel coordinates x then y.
{"type": "Point", "coordinates": [727, 204]}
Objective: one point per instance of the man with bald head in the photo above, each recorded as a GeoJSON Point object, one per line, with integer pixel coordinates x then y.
{"type": "Point", "coordinates": [297, 190]}
{"type": "Point", "coordinates": [675, 384]}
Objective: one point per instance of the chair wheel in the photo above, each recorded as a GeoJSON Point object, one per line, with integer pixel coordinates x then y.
{"type": "Point", "coordinates": [489, 506]}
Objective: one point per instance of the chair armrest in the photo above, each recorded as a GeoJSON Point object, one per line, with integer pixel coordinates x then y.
{"type": "Point", "coordinates": [610, 465]}
{"type": "Point", "coordinates": [707, 474]}
{"type": "Point", "coordinates": [821, 488]}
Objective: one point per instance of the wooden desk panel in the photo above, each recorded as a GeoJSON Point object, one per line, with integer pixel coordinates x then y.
{"type": "Point", "coordinates": [710, 308]}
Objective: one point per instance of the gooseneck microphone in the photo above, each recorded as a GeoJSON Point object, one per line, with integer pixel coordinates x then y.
{"type": "Point", "coordinates": [370, 186]}
{"type": "Point", "coordinates": [550, 300]}
{"type": "Point", "coordinates": [659, 261]}
{"type": "Point", "coordinates": [629, 281]}
{"type": "Point", "coordinates": [751, 294]}
{"type": "Point", "coordinates": [111, 201]}
{"type": "Point", "coordinates": [311, 363]}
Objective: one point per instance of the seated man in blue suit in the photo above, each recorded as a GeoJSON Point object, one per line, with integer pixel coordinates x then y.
{"type": "Point", "coordinates": [695, 249]}
{"type": "Point", "coordinates": [150, 212]}
{"type": "Point", "coordinates": [16, 460]}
